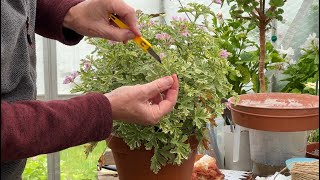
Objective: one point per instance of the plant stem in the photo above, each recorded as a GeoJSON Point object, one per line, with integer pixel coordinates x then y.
{"type": "Point", "coordinates": [210, 4]}
{"type": "Point", "coordinates": [262, 34]}
{"type": "Point", "coordinates": [185, 12]}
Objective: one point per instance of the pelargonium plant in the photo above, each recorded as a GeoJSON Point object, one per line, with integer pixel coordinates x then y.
{"type": "Point", "coordinates": [187, 49]}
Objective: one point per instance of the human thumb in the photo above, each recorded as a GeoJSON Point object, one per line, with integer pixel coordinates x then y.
{"type": "Point", "coordinates": [118, 34]}
{"type": "Point", "coordinates": [157, 86]}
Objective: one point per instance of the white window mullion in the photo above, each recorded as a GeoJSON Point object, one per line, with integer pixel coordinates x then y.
{"type": "Point", "coordinates": [51, 92]}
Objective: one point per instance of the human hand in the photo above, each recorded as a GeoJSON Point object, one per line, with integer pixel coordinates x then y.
{"type": "Point", "coordinates": [143, 104]}
{"type": "Point", "coordinates": [91, 18]}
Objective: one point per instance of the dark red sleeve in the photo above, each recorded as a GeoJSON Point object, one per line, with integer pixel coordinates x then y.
{"type": "Point", "coordinates": [30, 128]}
{"type": "Point", "coordinates": [49, 19]}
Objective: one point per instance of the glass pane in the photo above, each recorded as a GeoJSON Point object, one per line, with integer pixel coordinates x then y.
{"type": "Point", "coordinates": [68, 60]}
{"type": "Point", "coordinates": [146, 6]}
{"type": "Point", "coordinates": [40, 68]}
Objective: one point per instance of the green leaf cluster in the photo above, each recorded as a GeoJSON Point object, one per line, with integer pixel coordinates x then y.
{"type": "Point", "coordinates": [192, 53]}
{"type": "Point", "coordinates": [305, 71]}
{"type": "Point", "coordinates": [314, 136]}
{"type": "Point", "coordinates": [234, 35]}
{"type": "Point", "coordinates": [36, 169]}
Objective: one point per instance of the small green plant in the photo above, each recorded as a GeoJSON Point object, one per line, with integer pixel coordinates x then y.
{"type": "Point", "coordinates": [314, 136]}
{"type": "Point", "coordinates": [73, 165]}
{"type": "Point", "coordinates": [187, 49]}
{"type": "Point", "coordinates": [254, 11]}
{"type": "Point", "coordinates": [304, 74]}
{"type": "Point", "coordinates": [36, 168]}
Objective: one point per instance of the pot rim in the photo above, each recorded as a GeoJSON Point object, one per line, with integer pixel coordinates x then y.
{"type": "Point", "coordinates": [232, 103]}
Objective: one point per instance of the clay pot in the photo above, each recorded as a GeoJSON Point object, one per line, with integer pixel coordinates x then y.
{"type": "Point", "coordinates": [135, 164]}
{"type": "Point", "coordinates": [310, 148]}
{"type": "Point", "coordinates": [279, 112]}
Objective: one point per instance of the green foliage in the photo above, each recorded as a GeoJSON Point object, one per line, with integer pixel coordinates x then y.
{"type": "Point", "coordinates": [234, 37]}
{"type": "Point", "coordinates": [257, 16]}
{"type": "Point", "coordinates": [73, 165]}
{"type": "Point", "coordinates": [249, 8]}
{"type": "Point", "coordinates": [36, 168]}
{"type": "Point", "coordinates": [276, 3]}
{"type": "Point", "coordinates": [188, 51]}
{"type": "Point", "coordinates": [314, 136]}
{"type": "Point", "coordinates": [304, 74]}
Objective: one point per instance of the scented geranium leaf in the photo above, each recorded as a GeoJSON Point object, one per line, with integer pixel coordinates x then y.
{"type": "Point", "coordinates": [155, 165]}
{"type": "Point", "coordinates": [165, 152]}
{"type": "Point", "coordinates": [182, 151]}
{"type": "Point", "coordinates": [200, 116]}
{"type": "Point", "coordinates": [151, 142]}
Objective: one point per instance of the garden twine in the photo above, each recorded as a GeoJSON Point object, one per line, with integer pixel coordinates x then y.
{"type": "Point", "coordinates": [305, 171]}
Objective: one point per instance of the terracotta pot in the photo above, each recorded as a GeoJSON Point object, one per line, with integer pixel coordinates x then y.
{"type": "Point", "coordinates": [310, 148]}
{"type": "Point", "coordinates": [135, 164]}
{"type": "Point", "coordinates": [280, 112]}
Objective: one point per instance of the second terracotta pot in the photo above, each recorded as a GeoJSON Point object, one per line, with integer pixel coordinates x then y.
{"type": "Point", "coordinates": [278, 112]}
{"type": "Point", "coordinates": [135, 164]}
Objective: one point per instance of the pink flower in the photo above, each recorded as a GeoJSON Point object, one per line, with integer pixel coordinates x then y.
{"type": "Point", "coordinates": [224, 54]}
{"type": "Point", "coordinates": [162, 55]}
{"type": "Point", "coordinates": [74, 74]}
{"type": "Point", "coordinates": [217, 1]}
{"type": "Point", "coordinates": [163, 36]}
{"type": "Point", "coordinates": [86, 66]}
{"type": "Point", "coordinates": [175, 18]}
{"type": "Point", "coordinates": [67, 80]}
{"type": "Point", "coordinates": [152, 22]}
{"type": "Point", "coordinates": [141, 25]}
{"type": "Point", "coordinates": [181, 19]}
{"type": "Point", "coordinates": [185, 33]}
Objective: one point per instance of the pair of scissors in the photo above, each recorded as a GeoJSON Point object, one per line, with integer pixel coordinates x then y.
{"type": "Point", "coordinates": [142, 43]}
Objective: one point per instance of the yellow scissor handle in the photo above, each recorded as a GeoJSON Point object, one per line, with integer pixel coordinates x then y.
{"type": "Point", "coordinates": [144, 44]}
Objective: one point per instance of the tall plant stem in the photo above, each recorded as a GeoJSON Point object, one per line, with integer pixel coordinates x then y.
{"type": "Point", "coordinates": [262, 34]}
{"type": "Point", "coordinates": [185, 12]}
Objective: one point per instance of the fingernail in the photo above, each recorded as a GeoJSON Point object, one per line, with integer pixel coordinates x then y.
{"type": "Point", "coordinates": [168, 80]}
{"type": "Point", "coordinates": [130, 35]}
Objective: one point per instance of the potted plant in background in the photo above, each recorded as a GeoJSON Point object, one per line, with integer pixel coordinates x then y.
{"type": "Point", "coordinates": [303, 77]}
{"type": "Point", "coordinates": [271, 115]}
{"type": "Point", "coordinates": [255, 12]}
{"type": "Point", "coordinates": [187, 49]}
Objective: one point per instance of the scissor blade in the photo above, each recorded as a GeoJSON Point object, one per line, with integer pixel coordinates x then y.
{"type": "Point", "coordinates": [153, 54]}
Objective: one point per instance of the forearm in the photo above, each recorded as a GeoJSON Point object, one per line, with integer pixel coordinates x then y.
{"type": "Point", "coordinates": [29, 128]}
{"type": "Point", "coordinates": [50, 16]}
